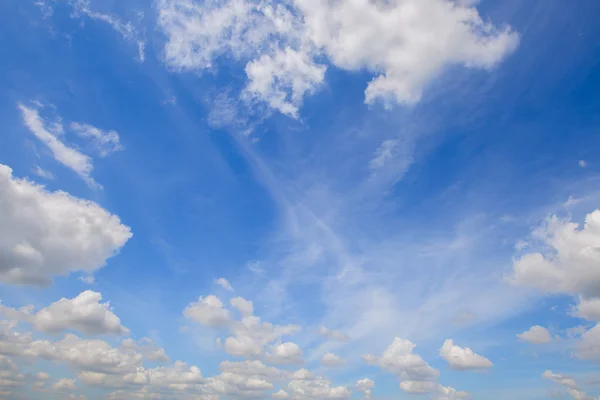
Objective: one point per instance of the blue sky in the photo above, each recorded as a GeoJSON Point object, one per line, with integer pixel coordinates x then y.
{"type": "Point", "coordinates": [253, 199]}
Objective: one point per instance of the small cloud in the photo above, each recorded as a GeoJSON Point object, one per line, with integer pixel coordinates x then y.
{"type": "Point", "coordinates": [582, 163]}
{"type": "Point", "coordinates": [224, 283]}
{"type": "Point", "coordinates": [42, 173]}
{"type": "Point", "coordinates": [87, 279]}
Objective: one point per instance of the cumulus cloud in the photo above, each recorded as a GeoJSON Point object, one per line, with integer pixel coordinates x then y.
{"type": "Point", "coordinates": [365, 386]}
{"type": "Point", "coordinates": [536, 335]}
{"type": "Point", "coordinates": [405, 44]}
{"type": "Point", "coordinates": [242, 305]}
{"type": "Point", "coordinates": [64, 385]}
{"type": "Point", "coordinates": [44, 234]}
{"type": "Point", "coordinates": [83, 313]}
{"type": "Point", "coordinates": [571, 264]}
{"type": "Point", "coordinates": [285, 353]}
{"type": "Point", "coordinates": [208, 311]}
{"type": "Point", "coordinates": [415, 374]}
{"type": "Point", "coordinates": [316, 388]}
{"type": "Point", "coordinates": [463, 358]}
{"type": "Point", "coordinates": [331, 360]}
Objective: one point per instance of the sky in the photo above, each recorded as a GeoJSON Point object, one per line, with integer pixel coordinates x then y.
{"type": "Point", "coordinates": [299, 199]}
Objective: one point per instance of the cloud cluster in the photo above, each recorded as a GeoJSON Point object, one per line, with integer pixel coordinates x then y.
{"type": "Point", "coordinates": [569, 265]}
{"type": "Point", "coordinates": [416, 376]}
{"type": "Point", "coordinates": [288, 46]}
{"type": "Point", "coordinates": [83, 313]}
{"type": "Point", "coordinates": [44, 234]}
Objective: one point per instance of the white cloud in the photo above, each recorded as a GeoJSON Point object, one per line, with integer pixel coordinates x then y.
{"type": "Point", "coordinates": [334, 335]}
{"type": "Point", "coordinates": [44, 234]}
{"type": "Point", "coordinates": [208, 311]}
{"type": "Point", "coordinates": [280, 394]}
{"type": "Point", "coordinates": [419, 387]}
{"type": "Point", "coordinates": [283, 79]}
{"type": "Point", "coordinates": [316, 388]}
{"type": "Point", "coordinates": [536, 335]}
{"type": "Point", "coordinates": [251, 335]}
{"type": "Point", "coordinates": [400, 360]}
{"type": "Point", "coordinates": [560, 379]}
{"type": "Point", "coordinates": [104, 142]}
{"type": "Point", "coordinates": [285, 353]}
{"type": "Point", "coordinates": [64, 385]}
{"type": "Point", "coordinates": [224, 283]}
{"type": "Point", "coordinates": [84, 313]}
{"type": "Point", "coordinates": [463, 358]}
{"type": "Point", "coordinates": [365, 386]}
{"type": "Point", "coordinates": [331, 360]}
{"type": "Point", "coordinates": [405, 44]}
{"type": "Point", "coordinates": [449, 393]}
{"type": "Point", "coordinates": [42, 376]}
{"type": "Point", "coordinates": [572, 264]}
{"type": "Point", "coordinates": [78, 162]}
{"type": "Point", "coordinates": [242, 305]}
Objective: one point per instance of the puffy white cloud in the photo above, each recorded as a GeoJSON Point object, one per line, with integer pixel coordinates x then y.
{"type": "Point", "coordinates": [208, 311]}
{"type": "Point", "coordinates": [365, 386]}
{"type": "Point", "coordinates": [334, 335]}
{"type": "Point", "coordinates": [280, 394]}
{"type": "Point", "coordinates": [242, 305]}
{"type": "Point", "coordinates": [64, 385]}
{"type": "Point", "coordinates": [254, 369]}
{"type": "Point", "coordinates": [224, 283]}
{"type": "Point", "coordinates": [283, 78]}
{"type": "Point", "coordinates": [42, 376]}
{"type": "Point", "coordinates": [449, 393]}
{"type": "Point", "coordinates": [572, 264]}
{"type": "Point", "coordinates": [536, 335]}
{"type": "Point", "coordinates": [463, 358]}
{"type": "Point", "coordinates": [285, 353]}
{"type": "Point", "coordinates": [419, 387]}
{"type": "Point", "coordinates": [84, 313]}
{"type": "Point", "coordinates": [405, 43]}
{"type": "Point", "coordinates": [147, 349]}
{"type": "Point", "coordinates": [316, 388]}
{"type": "Point", "coordinates": [331, 360]}
{"type": "Point", "coordinates": [44, 234]}
{"type": "Point", "coordinates": [560, 379]}
{"type": "Point", "coordinates": [251, 335]}
{"type": "Point", "coordinates": [400, 360]}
